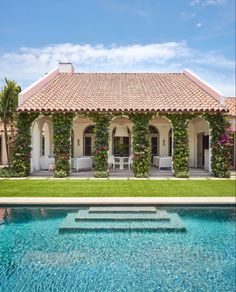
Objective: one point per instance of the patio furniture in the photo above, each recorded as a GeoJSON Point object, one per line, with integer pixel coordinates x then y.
{"type": "Point", "coordinates": [51, 166]}
{"type": "Point", "coordinates": [44, 162]}
{"type": "Point", "coordinates": [112, 162]}
{"type": "Point", "coordinates": [80, 163]}
{"type": "Point", "coordinates": [162, 161]}
{"type": "Point", "coordinates": [128, 161]}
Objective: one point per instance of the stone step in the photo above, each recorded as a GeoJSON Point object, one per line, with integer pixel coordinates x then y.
{"type": "Point", "coordinates": [84, 215]}
{"type": "Point", "coordinates": [122, 209]}
{"type": "Point", "coordinates": [70, 225]}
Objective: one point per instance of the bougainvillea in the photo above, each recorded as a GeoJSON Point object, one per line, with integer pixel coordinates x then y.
{"type": "Point", "coordinates": [21, 152]}
{"type": "Point", "coordinates": [62, 125]}
{"type": "Point", "coordinates": [101, 131]}
{"type": "Point", "coordinates": [221, 144]}
{"type": "Point", "coordinates": [141, 144]}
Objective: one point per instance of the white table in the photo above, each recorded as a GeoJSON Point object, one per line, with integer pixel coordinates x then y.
{"type": "Point", "coordinates": [162, 161]}
{"type": "Point", "coordinates": [80, 163]}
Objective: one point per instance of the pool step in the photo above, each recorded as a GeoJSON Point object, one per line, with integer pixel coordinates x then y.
{"type": "Point", "coordinates": [122, 209]}
{"type": "Point", "coordinates": [71, 225]}
{"type": "Point", "coordinates": [86, 215]}
{"type": "Point", "coordinates": [122, 218]}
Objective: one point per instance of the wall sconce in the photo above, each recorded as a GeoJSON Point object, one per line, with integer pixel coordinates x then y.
{"type": "Point", "coordinates": [164, 142]}
{"type": "Point", "coordinates": [78, 142]}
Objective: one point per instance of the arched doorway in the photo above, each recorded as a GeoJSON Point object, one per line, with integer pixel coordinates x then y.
{"type": "Point", "coordinates": [89, 141]}
{"type": "Point", "coordinates": [45, 141]}
{"type": "Point", "coordinates": [154, 141]}
{"type": "Point", "coordinates": [121, 138]}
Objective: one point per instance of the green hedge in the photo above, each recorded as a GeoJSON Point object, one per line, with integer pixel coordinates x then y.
{"type": "Point", "coordinates": [220, 144]}
{"type": "Point", "coordinates": [141, 144]}
{"type": "Point", "coordinates": [62, 126]}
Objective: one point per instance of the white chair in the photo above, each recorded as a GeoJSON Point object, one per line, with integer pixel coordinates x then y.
{"type": "Point", "coordinates": [44, 162]}
{"type": "Point", "coordinates": [111, 161]}
{"type": "Point", "coordinates": [128, 161]}
{"type": "Point", "coordinates": [82, 163]}
{"type": "Point", "coordinates": [165, 162]}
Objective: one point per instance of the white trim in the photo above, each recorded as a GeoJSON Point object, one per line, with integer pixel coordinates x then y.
{"type": "Point", "coordinates": [205, 86]}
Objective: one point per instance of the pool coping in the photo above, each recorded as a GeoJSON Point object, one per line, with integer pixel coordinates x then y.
{"type": "Point", "coordinates": [70, 201]}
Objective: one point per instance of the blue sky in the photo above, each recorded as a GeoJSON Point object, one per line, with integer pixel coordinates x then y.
{"type": "Point", "coordinates": [119, 36]}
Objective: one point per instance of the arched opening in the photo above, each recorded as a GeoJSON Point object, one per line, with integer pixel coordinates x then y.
{"type": "Point", "coordinates": [89, 141]}
{"type": "Point", "coordinates": [35, 154]}
{"type": "Point", "coordinates": [45, 141]}
{"type": "Point", "coordinates": [170, 143]}
{"type": "Point", "coordinates": [154, 141]}
{"type": "Point", "coordinates": [121, 138]}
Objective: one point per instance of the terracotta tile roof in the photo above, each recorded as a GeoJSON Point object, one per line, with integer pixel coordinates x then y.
{"type": "Point", "coordinates": [230, 103]}
{"type": "Point", "coordinates": [120, 92]}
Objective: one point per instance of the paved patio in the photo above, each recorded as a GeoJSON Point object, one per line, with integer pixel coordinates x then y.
{"type": "Point", "coordinates": [125, 173]}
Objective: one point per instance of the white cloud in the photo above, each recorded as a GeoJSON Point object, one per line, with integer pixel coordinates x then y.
{"type": "Point", "coordinates": [28, 64]}
{"type": "Point", "coordinates": [207, 2]}
{"type": "Point", "coordinates": [199, 24]}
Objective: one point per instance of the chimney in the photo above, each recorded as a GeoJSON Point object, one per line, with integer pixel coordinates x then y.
{"type": "Point", "coordinates": [66, 68]}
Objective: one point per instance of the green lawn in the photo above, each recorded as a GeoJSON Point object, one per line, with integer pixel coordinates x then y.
{"type": "Point", "coordinates": [111, 188]}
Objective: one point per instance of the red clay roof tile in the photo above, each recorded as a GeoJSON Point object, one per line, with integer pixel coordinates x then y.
{"type": "Point", "coordinates": [121, 92]}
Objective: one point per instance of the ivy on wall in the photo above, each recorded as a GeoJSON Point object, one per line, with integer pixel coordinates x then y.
{"type": "Point", "coordinates": [141, 144]}
{"type": "Point", "coordinates": [62, 125]}
{"type": "Point", "coordinates": [221, 144]}
{"type": "Point", "coordinates": [21, 153]}
{"type": "Point", "coordinates": [101, 131]}
{"type": "Point", "coordinates": [180, 143]}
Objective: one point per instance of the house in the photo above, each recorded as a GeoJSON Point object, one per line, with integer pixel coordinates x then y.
{"type": "Point", "coordinates": [121, 95]}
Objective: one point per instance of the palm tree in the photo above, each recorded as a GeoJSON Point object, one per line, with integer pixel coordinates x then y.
{"type": "Point", "coordinates": [8, 105]}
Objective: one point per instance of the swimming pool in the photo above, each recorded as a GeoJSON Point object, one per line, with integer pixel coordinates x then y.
{"type": "Point", "coordinates": [34, 256]}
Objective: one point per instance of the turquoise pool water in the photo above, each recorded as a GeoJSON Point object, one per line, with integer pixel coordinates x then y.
{"type": "Point", "coordinates": [35, 257]}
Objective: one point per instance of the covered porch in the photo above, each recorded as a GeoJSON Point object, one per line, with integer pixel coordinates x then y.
{"type": "Point", "coordinates": [120, 152]}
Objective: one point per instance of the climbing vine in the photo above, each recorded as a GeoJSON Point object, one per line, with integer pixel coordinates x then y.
{"type": "Point", "coordinates": [180, 143]}
{"type": "Point", "coordinates": [62, 125]}
{"type": "Point", "coordinates": [21, 152]}
{"type": "Point", "coordinates": [141, 144]}
{"type": "Point", "coordinates": [101, 131]}
{"type": "Point", "coordinates": [221, 144]}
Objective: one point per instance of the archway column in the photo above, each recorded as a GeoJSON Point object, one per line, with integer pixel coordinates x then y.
{"type": "Point", "coordinates": [141, 144]}
{"type": "Point", "coordinates": [220, 143]}
{"type": "Point", "coordinates": [62, 125]}
{"type": "Point", "coordinates": [180, 143]}
{"type": "Point", "coordinates": [21, 153]}
{"type": "Point", "coordinates": [101, 131]}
